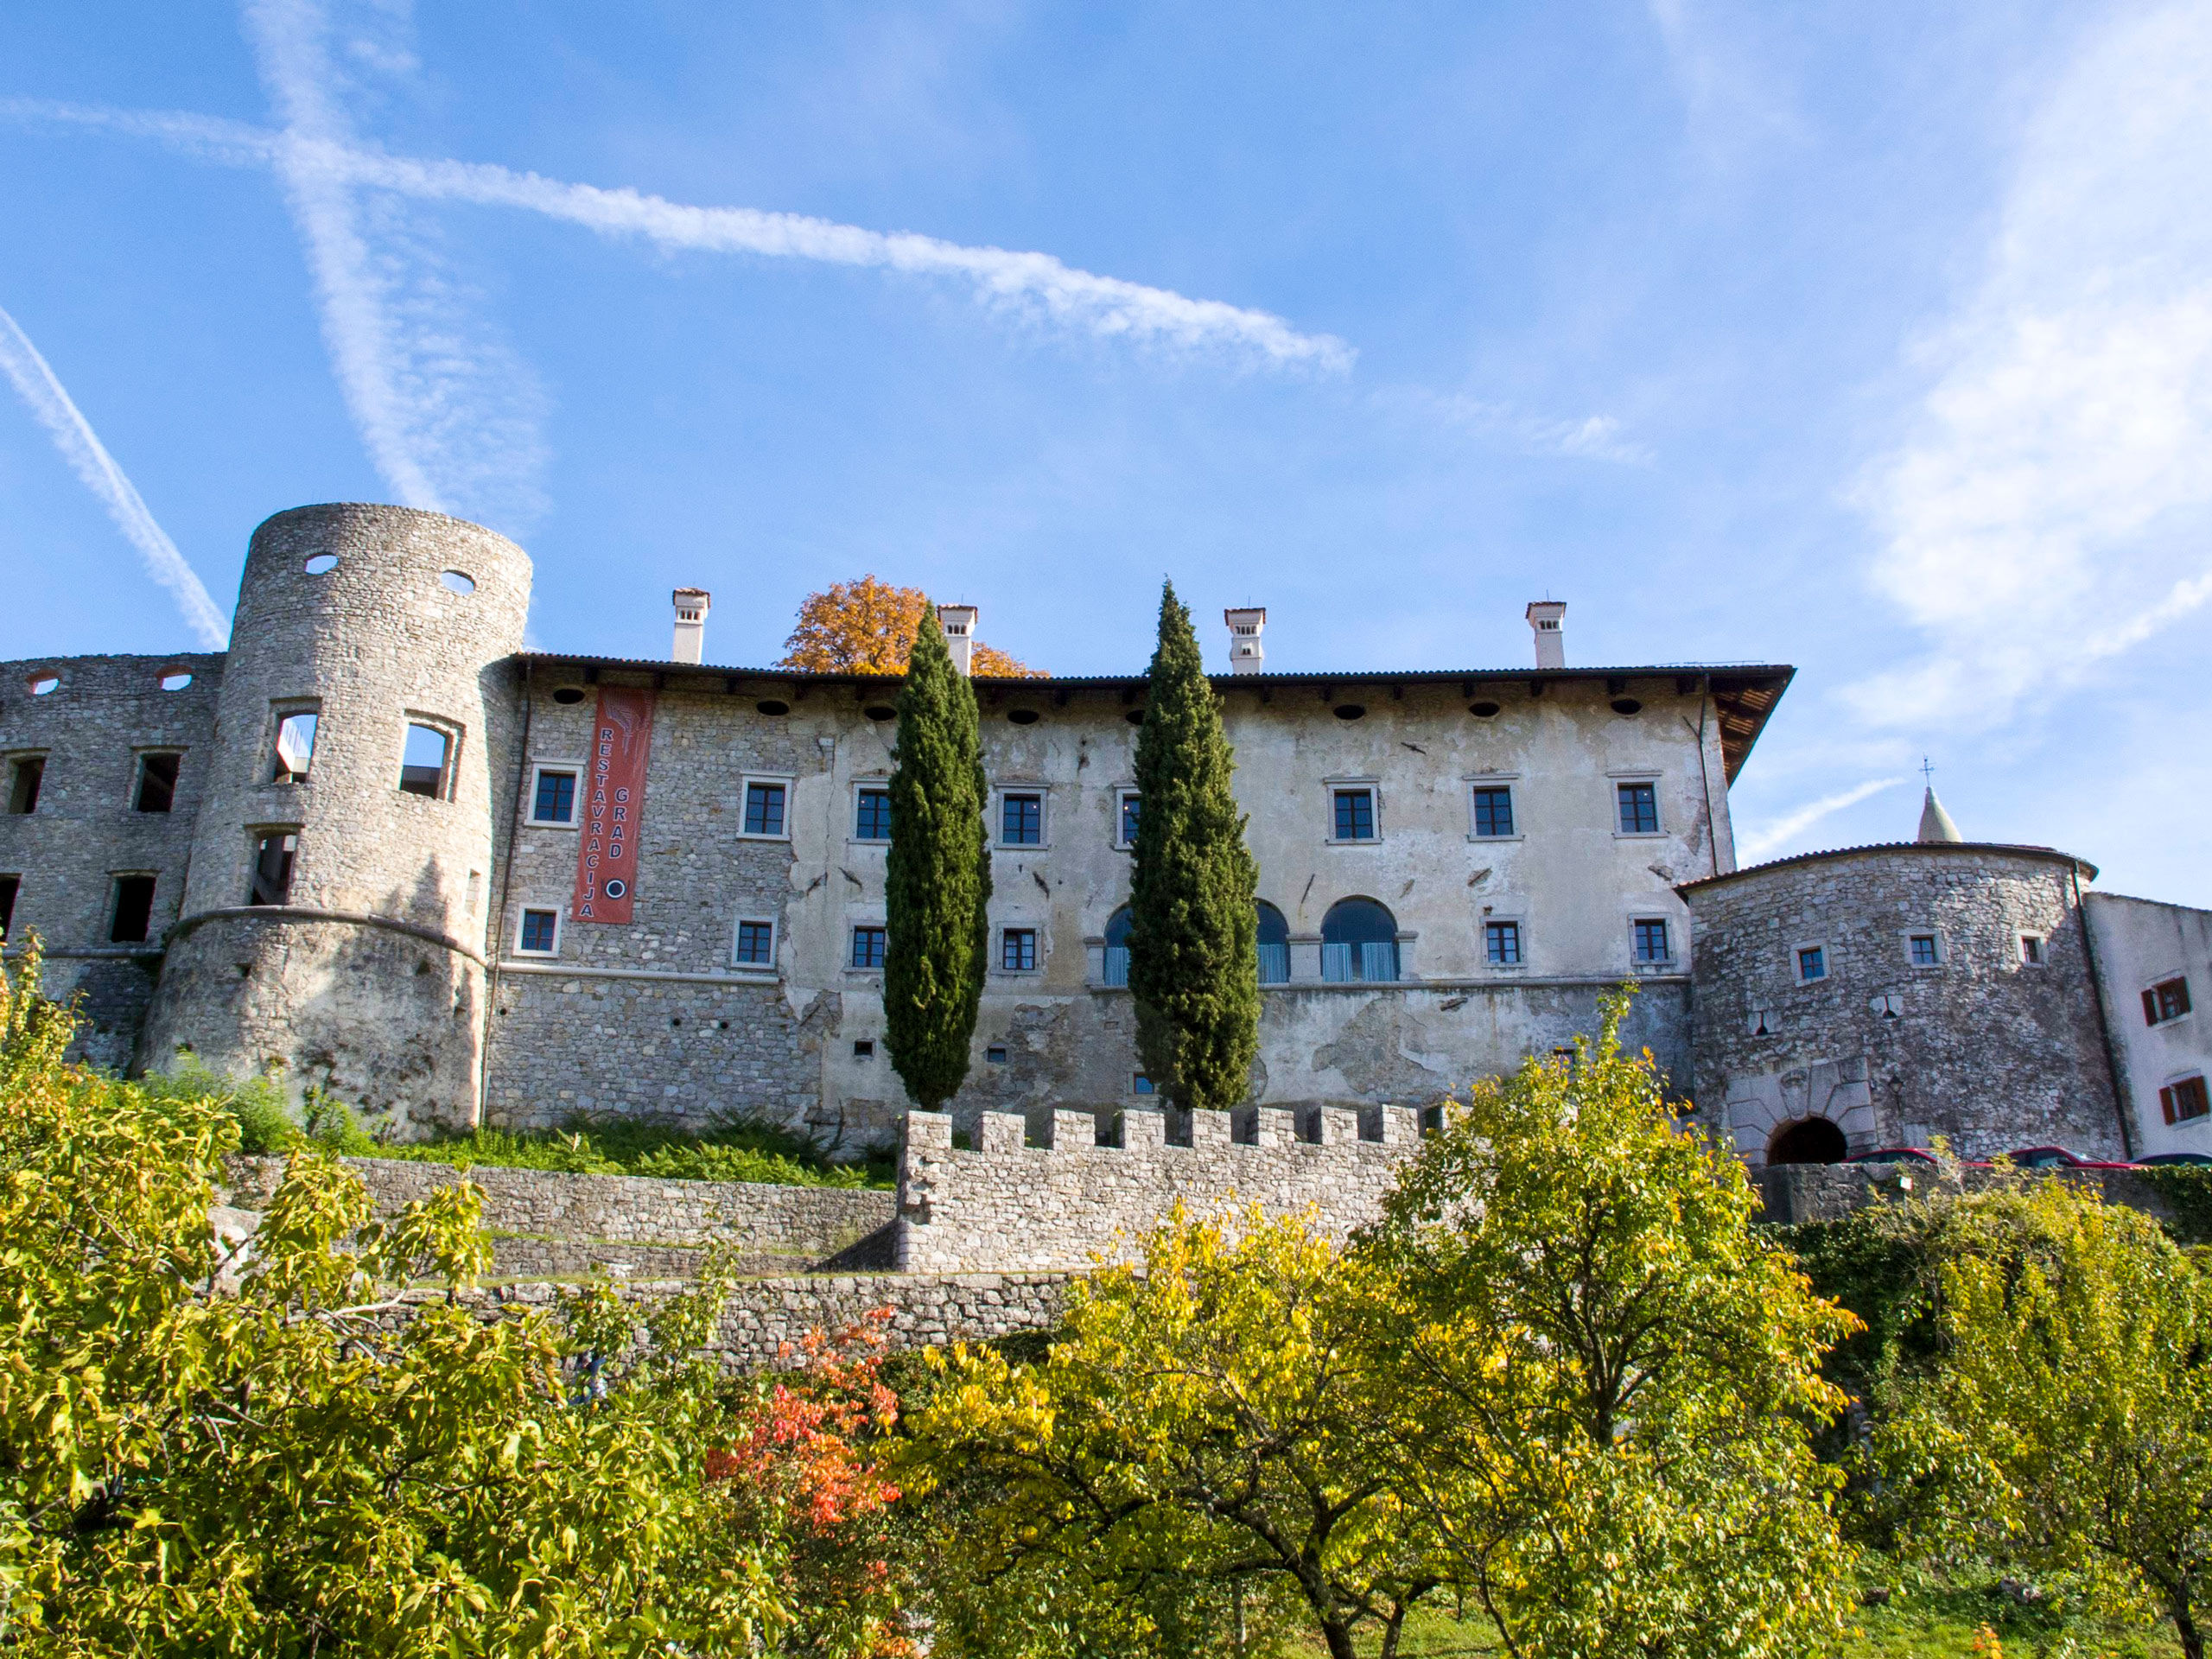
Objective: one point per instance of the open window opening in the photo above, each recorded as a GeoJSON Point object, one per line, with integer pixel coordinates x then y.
{"type": "Point", "coordinates": [133, 914]}
{"type": "Point", "coordinates": [1274, 946]}
{"type": "Point", "coordinates": [26, 777]}
{"type": "Point", "coordinates": [294, 746]}
{"type": "Point", "coordinates": [424, 764]}
{"type": "Point", "coordinates": [156, 791]}
{"type": "Point", "coordinates": [1359, 941]}
{"type": "Point", "coordinates": [9, 885]}
{"type": "Point", "coordinates": [273, 856]}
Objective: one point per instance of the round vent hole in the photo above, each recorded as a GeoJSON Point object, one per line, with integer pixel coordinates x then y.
{"type": "Point", "coordinates": [1350, 711]}
{"type": "Point", "coordinates": [1627, 706]}
{"type": "Point", "coordinates": [176, 681]}
{"type": "Point", "coordinates": [44, 684]}
{"type": "Point", "coordinates": [1482, 711]}
{"type": "Point", "coordinates": [320, 564]}
{"type": "Point", "coordinates": [880, 711]}
{"type": "Point", "coordinates": [569, 694]}
{"type": "Point", "coordinates": [457, 582]}
{"type": "Point", "coordinates": [773, 706]}
{"type": "Point", "coordinates": [1022, 716]}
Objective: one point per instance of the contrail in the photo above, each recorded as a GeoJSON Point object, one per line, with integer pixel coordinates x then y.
{"type": "Point", "coordinates": [82, 451]}
{"type": "Point", "coordinates": [1107, 306]}
{"type": "Point", "coordinates": [1782, 830]}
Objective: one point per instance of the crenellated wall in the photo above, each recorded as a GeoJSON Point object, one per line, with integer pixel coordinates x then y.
{"type": "Point", "coordinates": [1009, 1206]}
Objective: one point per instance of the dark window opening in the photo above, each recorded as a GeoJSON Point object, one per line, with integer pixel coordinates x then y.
{"type": "Point", "coordinates": [1018, 950]}
{"type": "Point", "coordinates": [1274, 946]}
{"type": "Point", "coordinates": [9, 885]}
{"type": "Point", "coordinates": [539, 930]}
{"type": "Point", "coordinates": [2030, 950]}
{"type": "Point", "coordinates": [1501, 944]}
{"type": "Point", "coordinates": [1924, 952]}
{"type": "Point", "coordinates": [25, 779]}
{"type": "Point", "coordinates": [569, 695]}
{"type": "Point", "coordinates": [1355, 815]}
{"type": "Point", "coordinates": [995, 1054]}
{"type": "Point", "coordinates": [1639, 808]}
{"type": "Point", "coordinates": [272, 870]}
{"type": "Point", "coordinates": [864, 1049]}
{"type": "Point", "coordinates": [2166, 1000]}
{"type": "Point", "coordinates": [2184, 1100]}
{"type": "Point", "coordinates": [756, 943]}
{"type": "Point", "coordinates": [872, 820]}
{"type": "Point", "coordinates": [1117, 947]}
{"type": "Point", "coordinates": [1651, 941]}
{"type": "Point", "coordinates": [555, 800]}
{"type": "Point", "coordinates": [1494, 811]}
{"type": "Point", "coordinates": [1808, 1140]}
{"type": "Point", "coordinates": [1022, 821]}
{"type": "Point", "coordinates": [1131, 806]}
{"type": "Point", "coordinates": [134, 910]}
{"type": "Point", "coordinates": [422, 762]}
{"type": "Point", "coordinates": [294, 748]}
{"type": "Point", "coordinates": [868, 947]}
{"type": "Point", "coordinates": [764, 809]}
{"type": "Point", "coordinates": [156, 783]}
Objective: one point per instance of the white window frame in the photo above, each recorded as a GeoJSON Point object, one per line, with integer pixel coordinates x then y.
{"type": "Point", "coordinates": [575, 769]}
{"type": "Point", "coordinates": [1511, 783]}
{"type": "Point", "coordinates": [1907, 935]}
{"type": "Point", "coordinates": [853, 836]}
{"type": "Point", "coordinates": [788, 782]}
{"type": "Point", "coordinates": [758, 969]}
{"type": "Point", "coordinates": [1613, 782]}
{"type": "Point", "coordinates": [1828, 962]}
{"type": "Point", "coordinates": [560, 922]}
{"type": "Point", "coordinates": [1043, 794]}
{"type": "Point", "coordinates": [1330, 787]}
{"type": "Point", "coordinates": [1668, 963]}
{"type": "Point", "coordinates": [1124, 792]}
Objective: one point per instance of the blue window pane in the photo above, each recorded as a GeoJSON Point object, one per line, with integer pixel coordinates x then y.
{"type": "Point", "coordinates": [1018, 950]}
{"type": "Point", "coordinates": [1378, 963]}
{"type": "Point", "coordinates": [1651, 942]}
{"type": "Point", "coordinates": [874, 820]}
{"type": "Point", "coordinates": [556, 798]}
{"type": "Point", "coordinates": [1501, 943]}
{"type": "Point", "coordinates": [1021, 822]}
{"type": "Point", "coordinates": [1639, 808]}
{"type": "Point", "coordinates": [1117, 965]}
{"type": "Point", "coordinates": [1923, 950]}
{"type": "Point", "coordinates": [1355, 815]}
{"type": "Point", "coordinates": [537, 927]}
{"type": "Point", "coordinates": [1130, 804]}
{"type": "Point", "coordinates": [1493, 811]}
{"type": "Point", "coordinates": [1812, 963]}
{"type": "Point", "coordinates": [764, 809]}
{"type": "Point", "coordinates": [756, 943]}
{"type": "Point", "coordinates": [1140, 1085]}
{"type": "Point", "coordinates": [1275, 964]}
{"type": "Point", "coordinates": [868, 947]}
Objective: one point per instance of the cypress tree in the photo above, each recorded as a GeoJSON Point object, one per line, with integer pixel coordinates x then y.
{"type": "Point", "coordinates": [1194, 960]}
{"type": "Point", "coordinates": [938, 887]}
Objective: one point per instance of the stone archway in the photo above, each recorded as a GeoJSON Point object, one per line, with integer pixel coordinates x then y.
{"type": "Point", "coordinates": [1807, 1141]}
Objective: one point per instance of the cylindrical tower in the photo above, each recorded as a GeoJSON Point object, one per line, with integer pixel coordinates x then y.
{"type": "Point", "coordinates": [335, 918]}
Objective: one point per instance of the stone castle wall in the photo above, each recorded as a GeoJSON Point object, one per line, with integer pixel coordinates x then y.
{"type": "Point", "coordinates": [1985, 1047]}
{"type": "Point", "coordinates": [1009, 1206]}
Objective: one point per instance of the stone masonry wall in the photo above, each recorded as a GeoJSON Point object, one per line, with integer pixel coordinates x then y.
{"type": "Point", "coordinates": [1986, 1048]}
{"type": "Point", "coordinates": [1017, 1208]}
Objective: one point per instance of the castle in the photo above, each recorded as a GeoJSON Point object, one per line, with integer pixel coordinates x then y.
{"type": "Point", "coordinates": [379, 848]}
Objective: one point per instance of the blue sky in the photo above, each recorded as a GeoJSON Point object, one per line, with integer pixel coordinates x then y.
{"type": "Point", "coordinates": [1874, 339]}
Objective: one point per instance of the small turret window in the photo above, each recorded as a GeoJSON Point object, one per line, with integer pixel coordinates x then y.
{"type": "Point", "coordinates": [272, 868]}
{"type": "Point", "coordinates": [457, 582]}
{"type": "Point", "coordinates": [320, 564]}
{"type": "Point", "coordinates": [424, 767]}
{"type": "Point", "coordinates": [45, 684]}
{"type": "Point", "coordinates": [294, 746]}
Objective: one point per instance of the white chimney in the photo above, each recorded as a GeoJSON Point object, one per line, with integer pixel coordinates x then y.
{"type": "Point", "coordinates": [692, 605]}
{"type": "Point", "coordinates": [1246, 653]}
{"type": "Point", "coordinates": [959, 622]}
{"type": "Point", "coordinates": [1548, 617]}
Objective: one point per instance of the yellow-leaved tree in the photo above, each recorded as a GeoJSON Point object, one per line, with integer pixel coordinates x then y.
{"type": "Point", "coordinates": [868, 627]}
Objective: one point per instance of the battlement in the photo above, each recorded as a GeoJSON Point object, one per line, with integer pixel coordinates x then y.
{"type": "Point", "coordinates": [1010, 1207]}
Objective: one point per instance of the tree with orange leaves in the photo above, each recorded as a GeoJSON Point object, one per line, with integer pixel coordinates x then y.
{"type": "Point", "coordinates": [868, 627]}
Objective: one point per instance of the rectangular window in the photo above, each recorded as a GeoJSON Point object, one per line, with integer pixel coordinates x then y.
{"type": "Point", "coordinates": [868, 947]}
{"type": "Point", "coordinates": [1812, 963]}
{"type": "Point", "coordinates": [2168, 1000]}
{"type": "Point", "coordinates": [554, 799]}
{"type": "Point", "coordinates": [541, 933]}
{"type": "Point", "coordinates": [872, 819]}
{"type": "Point", "coordinates": [9, 885]}
{"type": "Point", "coordinates": [2030, 950]}
{"type": "Point", "coordinates": [134, 910]}
{"type": "Point", "coordinates": [1140, 1085]}
{"type": "Point", "coordinates": [1651, 941]}
{"type": "Point", "coordinates": [1355, 815]}
{"type": "Point", "coordinates": [422, 764]}
{"type": "Point", "coordinates": [1923, 950]}
{"type": "Point", "coordinates": [864, 1048]}
{"type": "Point", "coordinates": [1022, 821]}
{"type": "Point", "coordinates": [764, 810]}
{"type": "Point", "coordinates": [156, 791]}
{"type": "Point", "coordinates": [1017, 950]}
{"type": "Point", "coordinates": [1639, 808]}
{"type": "Point", "coordinates": [294, 746]}
{"type": "Point", "coordinates": [1501, 944]}
{"type": "Point", "coordinates": [1494, 811]}
{"type": "Point", "coordinates": [272, 868]}
{"type": "Point", "coordinates": [1131, 804]}
{"type": "Point", "coordinates": [2184, 1100]}
{"type": "Point", "coordinates": [756, 944]}
{"type": "Point", "coordinates": [25, 778]}
{"type": "Point", "coordinates": [995, 1054]}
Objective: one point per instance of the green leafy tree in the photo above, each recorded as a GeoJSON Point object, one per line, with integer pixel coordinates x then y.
{"type": "Point", "coordinates": [1209, 1418]}
{"type": "Point", "coordinates": [1194, 970]}
{"type": "Point", "coordinates": [267, 1447]}
{"type": "Point", "coordinates": [937, 888]}
{"type": "Point", "coordinates": [1615, 1374]}
{"type": "Point", "coordinates": [2059, 1418]}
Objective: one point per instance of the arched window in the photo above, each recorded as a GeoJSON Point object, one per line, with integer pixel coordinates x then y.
{"type": "Point", "coordinates": [1117, 947]}
{"type": "Point", "coordinates": [1274, 946]}
{"type": "Point", "coordinates": [1808, 1140]}
{"type": "Point", "coordinates": [1359, 941]}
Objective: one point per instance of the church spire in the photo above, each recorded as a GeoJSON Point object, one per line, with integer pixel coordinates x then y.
{"type": "Point", "coordinates": [1935, 823]}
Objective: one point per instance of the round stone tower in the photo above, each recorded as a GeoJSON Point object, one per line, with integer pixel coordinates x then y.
{"type": "Point", "coordinates": [336, 913]}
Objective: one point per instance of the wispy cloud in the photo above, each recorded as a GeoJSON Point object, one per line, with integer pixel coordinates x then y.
{"type": "Point", "coordinates": [1731, 103]}
{"type": "Point", "coordinates": [2052, 504]}
{"type": "Point", "coordinates": [1772, 838]}
{"type": "Point", "coordinates": [1591, 437]}
{"type": "Point", "coordinates": [74, 435]}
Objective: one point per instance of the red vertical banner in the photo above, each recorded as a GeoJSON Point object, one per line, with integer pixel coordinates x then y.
{"type": "Point", "coordinates": [614, 799]}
